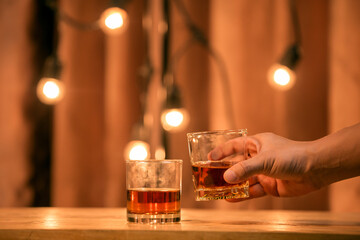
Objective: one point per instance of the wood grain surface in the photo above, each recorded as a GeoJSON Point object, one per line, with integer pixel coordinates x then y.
{"type": "Point", "coordinates": [110, 223]}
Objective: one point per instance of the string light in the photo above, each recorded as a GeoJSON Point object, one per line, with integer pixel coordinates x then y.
{"type": "Point", "coordinates": [50, 90]}
{"type": "Point", "coordinates": [281, 75]}
{"type": "Point", "coordinates": [174, 117]}
{"type": "Point", "coordinates": [114, 20]}
{"type": "Point", "coordinates": [198, 36]}
{"type": "Point", "coordinates": [138, 148]}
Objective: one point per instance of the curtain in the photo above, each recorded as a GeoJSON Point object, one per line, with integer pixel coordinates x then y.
{"type": "Point", "coordinates": [15, 78]}
{"type": "Point", "coordinates": [92, 124]}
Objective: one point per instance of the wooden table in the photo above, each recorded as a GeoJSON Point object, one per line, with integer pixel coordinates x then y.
{"type": "Point", "coordinates": [110, 223]}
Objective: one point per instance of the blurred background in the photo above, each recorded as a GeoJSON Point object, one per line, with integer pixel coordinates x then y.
{"type": "Point", "coordinates": [79, 94]}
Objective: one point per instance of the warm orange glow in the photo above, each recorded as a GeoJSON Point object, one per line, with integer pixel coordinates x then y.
{"type": "Point", "coordinates": [50, 90]}
{"type": "Point", "coordinates": [281, 77]}
{"type": "Point", "coordinates": [137, 150]}
{"type": "Point", "coordinates": [175, 119]}
{"type": "Point", "coordinates": [114, 20]}
{"type": "Point", "coordinates": [51, 220]}
{"type": "Point", "coordinates": [160, 153]}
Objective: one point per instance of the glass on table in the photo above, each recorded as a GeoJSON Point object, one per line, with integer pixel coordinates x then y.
{"type": "Point", "coordinates": [153, 190]}
{"type": "Point", "coordinates": [209, 183]}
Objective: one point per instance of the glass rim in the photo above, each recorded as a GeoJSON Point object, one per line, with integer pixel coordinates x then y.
{"type": "Point", "coordinates": [193, 134]}
{"type": "Point", "coordinates": [154, 161]}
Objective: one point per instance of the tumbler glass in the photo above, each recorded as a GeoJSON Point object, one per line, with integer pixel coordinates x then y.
{"type": "Point", "coordinates": [153, 190]}
{"type": "Point", "coordinates": [209, 183]}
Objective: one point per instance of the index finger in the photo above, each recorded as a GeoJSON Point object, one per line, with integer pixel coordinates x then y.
{"type": "Point", "coordinates": [236, 145]}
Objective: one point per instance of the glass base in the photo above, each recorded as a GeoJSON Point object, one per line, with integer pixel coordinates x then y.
{"type": "Point", "coordinates": [153, 218]}
{"type": "Point", "coordinates": [233, 192]}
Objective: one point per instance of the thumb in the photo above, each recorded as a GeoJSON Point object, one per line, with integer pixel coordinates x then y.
{"type": "Point", "coordinates": [245, 169]}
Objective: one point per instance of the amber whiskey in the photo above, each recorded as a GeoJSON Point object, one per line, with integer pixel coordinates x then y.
{"type": "Point", "coordinates": [209, 182]}
{"type": "Point", "coordinates": [153, 203]}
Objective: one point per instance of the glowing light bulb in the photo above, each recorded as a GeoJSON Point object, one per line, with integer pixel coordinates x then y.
{"type": "Point", "coordinates": [137, 150]}
{"type": "Point", "coordinates": [50, 90]}
{"type": "Point", "coordinates": [114, 20]}
{"type": "Point", "coordinates": [175, 119]}
{"type": "Point", "coordinates": [281, 77]}
{"type": "Point", "coordinates": [160, 153]}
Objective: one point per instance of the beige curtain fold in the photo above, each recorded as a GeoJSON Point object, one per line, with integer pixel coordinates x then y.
{"type": "Point", "coordinates": [94, 121]}
{"type": "Point", "coordinates": [15, 81]}
{"type": "Point", "coordinates": [78, 159]}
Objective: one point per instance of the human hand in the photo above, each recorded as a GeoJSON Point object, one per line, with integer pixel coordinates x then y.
{"type": "Point", "coordinates": [277, 166]}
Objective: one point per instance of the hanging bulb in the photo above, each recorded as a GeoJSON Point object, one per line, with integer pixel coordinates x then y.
{"type": "Point", "coordinates": [138, 148]}
{"type": "Point", "coordinates": [50, 90]}
{"type": "Point", "coordinates": [173, 116]}
{"type": "Point", "coordinates": [114, 20]}
{"type": "Point", "coordinates": [281, 75]}
{"type": "Point", "coordinates": [174, 119]}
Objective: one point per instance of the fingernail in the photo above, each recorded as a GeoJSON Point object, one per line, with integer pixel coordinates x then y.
{"type": "Point", "coordinates": [230, 176]}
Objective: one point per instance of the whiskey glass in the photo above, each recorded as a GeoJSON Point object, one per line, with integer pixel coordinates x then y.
{"type": "Point", "coordinates": [153, 190]}
{"type": "Point", "coordinates": [207, 174]}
